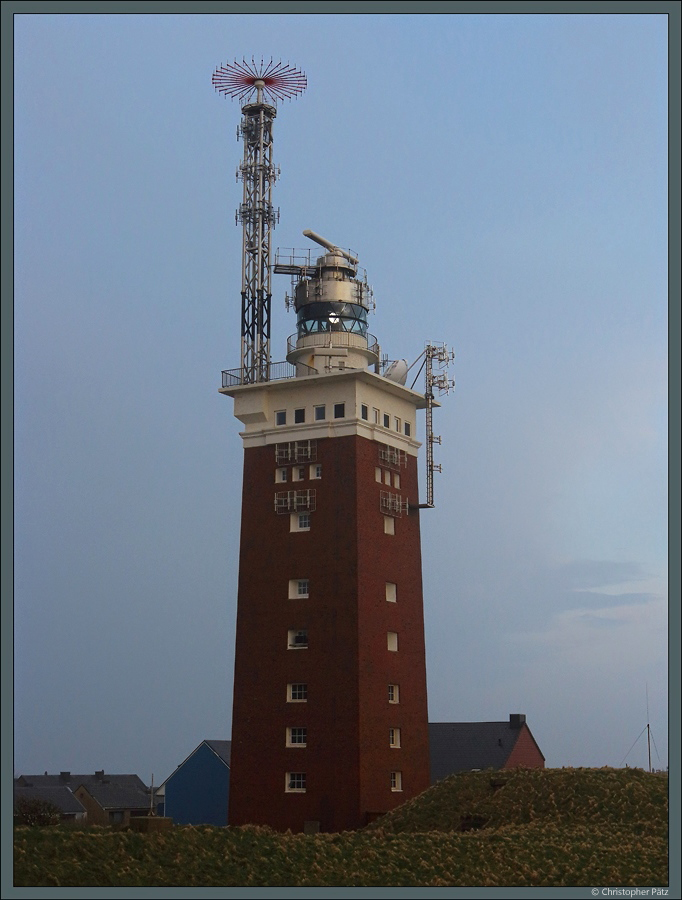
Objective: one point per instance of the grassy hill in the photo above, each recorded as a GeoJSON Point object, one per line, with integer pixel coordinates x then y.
{"type": "Point", "coordinates": [553, 827]}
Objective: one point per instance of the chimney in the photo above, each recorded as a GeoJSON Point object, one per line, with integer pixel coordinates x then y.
{"type": "Point", "coordinates": [65, 776]}
{"type": "Point", "coordinates": [99, 774]}
{"type": "Point", "coordinates": [516, 720]}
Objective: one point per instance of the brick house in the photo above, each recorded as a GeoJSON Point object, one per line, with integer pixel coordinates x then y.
{"type": "Point", "coordinates": [466, 746]}
{"type": "Point", "coordinates": [107, 799]}
{"type": "Point", "coordinates": [59, 795]}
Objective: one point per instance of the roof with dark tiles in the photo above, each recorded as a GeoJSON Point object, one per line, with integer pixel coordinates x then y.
{"type": "Point", "coordinates": [110, 791]}
{"type": "Point", "coordinates": [223, 749]}
{"type": "Point", "coordinates": [58, 795]}
{"type": "Point", "coordinates": [463, 746]}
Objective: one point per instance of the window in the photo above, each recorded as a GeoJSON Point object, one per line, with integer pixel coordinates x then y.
{"type": "Point", "coordinates": [392, 640]}
{"type": "Point", "coordinates": [387, 420]}
{"type": "Point", "coordinates": [281, 474]}
{"type": "Point", "coordinates": [299, 587]}
{"type": "Point", "coordinates": [396, 781]}
{"type": "Point", "coordinates": [389, 525]}
{"type": "Point", "coordinates": [298, 639]}
{"type": "Point", "coordinates": [339, 410]}
{"type": "Point", "coordinates": [295, 783]}
{"type": "Point", "coordinates": [377, 475]}
{"type": "Point", "coordinates": [297, 737]}
{"type": "Point", "coordinates": [397, 424]}
{"type": "Point", "coordinates": [301, 522]}
{"type": "Point", "coordinates": [320, 413]}
{"type": "Point", "coordinates": [316, 471]}
{"type": "Point", "coordinates": [393, 693]}
{"type": "Point", "coordinates": [394, 737]}
{"type": "Point", "coordinates": [396, 479]}
{"type": "Point", "coordinates": [297, 693]}
{"type": "Point", "coordinates": [116, 816]}
{"type": "Point", "coordinates": [408, 429]}
{"type": "Point", "coordinates": [298, 473]}
{"type": "Point", "coordinates": [377, 416]}
{"type": "Point", "coordinates": [281, 417]}
{"type": "Point", "coordinates": [391, 593]}
{"type": "Point", "coordinates": [364, 412]}
{"type": "Point", "coordinates": [299, 416]}
{"type": "Point", "coordinates": [387, 477]}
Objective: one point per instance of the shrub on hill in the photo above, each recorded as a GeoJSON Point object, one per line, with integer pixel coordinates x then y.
{"type": "Point", "coordinates": [33, 811]}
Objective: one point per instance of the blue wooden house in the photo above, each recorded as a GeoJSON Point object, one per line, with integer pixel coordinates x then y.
{"type": "Point", "coordinates": [197, 792]}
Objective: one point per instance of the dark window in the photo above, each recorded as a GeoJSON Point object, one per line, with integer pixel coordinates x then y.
{"type": "Point", "coordinates": [299, 416]}
{"type": "Point", "coordinates": [387, 420]}
{"type": "Point", "coordinates": [281, 417]}
{"type": "Point", "coordinates": [319, 413]}
{"type": "Point", "coordinates": [364, 412]}
{"type": "Point", "coordinates": [408, 429]}
{"type": "Point", "coordinates": [298, 736]}
{"type": "Point", "coordinates": [296, 781]}
{"type": "Point", "coordinates": [299, 691]}
{"type": "Point", "coordinates": [339, 410]}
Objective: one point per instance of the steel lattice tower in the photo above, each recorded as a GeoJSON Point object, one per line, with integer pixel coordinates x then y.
{"type": "Point", "coordinates": [268, 82]}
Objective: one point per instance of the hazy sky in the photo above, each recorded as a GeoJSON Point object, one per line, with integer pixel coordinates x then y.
{"type": "Point", "coordinates": [503, 179]}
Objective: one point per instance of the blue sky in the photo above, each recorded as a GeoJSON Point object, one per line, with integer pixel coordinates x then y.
{"type": "Point", "coordinates": [503, 179]}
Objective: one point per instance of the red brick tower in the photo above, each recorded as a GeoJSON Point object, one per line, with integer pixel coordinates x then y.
{"type": "Point", "coordinates": [330, 724]}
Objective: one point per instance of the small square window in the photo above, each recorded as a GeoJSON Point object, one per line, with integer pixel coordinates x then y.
{"type": "Point", "coordinates": [316, 471]}
{"type": "Point", "coordinates": [389, 525]}
{"type": "Point", "coordinates": [320, 413]}
{"type": "Point", "coordinates": [297, 639]}
{"type": "Point", "coordinates": [281, 474]}
{"type": "Point", "coordinates": [300, 522]}
{"type": "Point", "coordinates": [391, 592]}
{"type": "Point", "coordinates": [396, 781]}
{"type": "Point", "coordinates": [339, 410]}
{"type": "Point", "coordinates": [297, 737]}
{"type": "Point", "coordinates": [394, 737]}
{"type": "Point", "coordinates": [299, 587]}
{"type": "Point", "coordinates": [393, 693]}
{"type": "Point", "coordinates": [391, 640]}
{"type": "Point", "coordinates": [377, 416]}
{"type": "Point", "coordinates": [298, 473]}
{"type": "Point", "coordinates": [397, 424]}
{"type": "Point", "coordinates": [396, 479]}
{"type": "Point", "coordinates": [377, 475]}
{"type": "Point", "coordinates": [297, 693]}
{"type": "Point", "coordinates": [281, 417]}
{"type": "Point", "coordinates": [299, 416]}
{"type": "Point", "coordinates": [364, 412]}
{"type": "Point", "coordinates": [295, 783]}
{"type": "Point", "coordinates": [408, 429]}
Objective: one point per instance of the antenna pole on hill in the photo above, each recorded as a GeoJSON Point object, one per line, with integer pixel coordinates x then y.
{"type": "Point", "coordinates": [648, 728]}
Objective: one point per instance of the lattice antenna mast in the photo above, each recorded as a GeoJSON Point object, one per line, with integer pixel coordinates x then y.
{"type": "Point", "coordinates": [258, 87]}
{"type": "Point", "coordinates": [433, 381]}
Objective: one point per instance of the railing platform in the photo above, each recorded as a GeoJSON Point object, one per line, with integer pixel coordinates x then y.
{"type": "Point", "coordinates": [278, 371]}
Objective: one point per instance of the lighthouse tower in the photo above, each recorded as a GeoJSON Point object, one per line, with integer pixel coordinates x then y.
{"type": "Point", "coordinates": [330, 724]}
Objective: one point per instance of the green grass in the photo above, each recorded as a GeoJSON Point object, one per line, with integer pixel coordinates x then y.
{"type": "Point", "coordinates": [561, 827]}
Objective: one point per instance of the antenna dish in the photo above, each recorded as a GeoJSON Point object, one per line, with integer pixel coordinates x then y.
{"type": "Point", "coordinates": [397, 371]}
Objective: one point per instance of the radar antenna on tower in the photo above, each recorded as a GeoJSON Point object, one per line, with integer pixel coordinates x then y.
{"type": "Point", "coordinates": [258, 86]}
